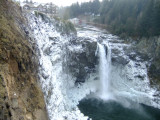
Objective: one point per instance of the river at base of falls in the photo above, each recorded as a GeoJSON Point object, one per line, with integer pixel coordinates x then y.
{"type": "Point", "coordinates": [61, 94]}
{"type": "Point", "coordinates": [113, 102]}
{"type": "Point", "coordinates": [111, 110]}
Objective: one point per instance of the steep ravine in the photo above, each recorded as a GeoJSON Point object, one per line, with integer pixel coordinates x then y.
{"type": "Point", "coordinates": [128, 73]}
{"type": "Point", "coordinates": [61, 94]}
{"type": "Point", "coordinates": [68, 69]}
{"type": "Point", "coordinates": [21, 97]}
{"type": "Point", "coordinates": [38, 53]}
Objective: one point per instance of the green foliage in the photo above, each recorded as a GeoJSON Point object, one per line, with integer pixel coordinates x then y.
{"type": "Point", "coordinates": [126, 17]}
{"type": "Point", "coordinates": [42, 15]}
{"type": "Point", "coordinates": [67, 27]}
{"type": "Point", "coordinates": [85, 8]}
{"type": "Point", "coordinates": [131, 17]}
{"type": "Point", "coordinates": [62, 25]}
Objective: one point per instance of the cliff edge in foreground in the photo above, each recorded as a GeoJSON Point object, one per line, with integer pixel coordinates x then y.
{"type": "Point", "coordinates": [21, 97]}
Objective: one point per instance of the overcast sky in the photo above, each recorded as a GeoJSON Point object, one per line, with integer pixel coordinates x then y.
{"type": "Point", "coordinates": [60, 2]}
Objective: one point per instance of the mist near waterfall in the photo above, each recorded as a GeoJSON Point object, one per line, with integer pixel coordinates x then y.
{"type": "Point", "coordinates": [107, 81]}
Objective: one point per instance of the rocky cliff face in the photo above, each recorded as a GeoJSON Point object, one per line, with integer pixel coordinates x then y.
{"type": "Point", "coordinates": [150, 48]}
{"type": "Point", "coordinates": [80, 59]}
{"type": "Point", "coordinates": [20, 95]}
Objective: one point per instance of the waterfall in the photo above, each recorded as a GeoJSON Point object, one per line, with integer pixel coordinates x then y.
{"type": "Point", "coordinates": [104, 71]}
{"type": "Point", "coordinates": [61, 94]}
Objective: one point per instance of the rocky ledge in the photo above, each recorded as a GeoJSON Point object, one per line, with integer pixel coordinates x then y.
{"type": "Point", "coordinates": [80, 58]}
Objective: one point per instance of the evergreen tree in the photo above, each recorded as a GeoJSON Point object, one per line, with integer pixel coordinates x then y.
{"type": "Point", "coordinates": [131, 17]}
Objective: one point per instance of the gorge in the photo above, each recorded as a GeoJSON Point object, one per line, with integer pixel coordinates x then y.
{"type": "Point", "coordinates": [75, 67]}
{"type": "Point", "coordinates": [50, 73]}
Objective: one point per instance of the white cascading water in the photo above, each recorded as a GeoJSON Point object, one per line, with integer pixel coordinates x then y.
{"type": "Point", "coordinates": [62, 96]}
{"type": "Point", "coordinates": [104, 71]}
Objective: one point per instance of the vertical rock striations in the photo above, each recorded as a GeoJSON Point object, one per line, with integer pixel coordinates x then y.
{"type": "Point", "coordinates": [20, 95]}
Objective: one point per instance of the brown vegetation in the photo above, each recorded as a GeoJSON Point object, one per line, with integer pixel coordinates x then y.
{"type": "Point", "coordinates": [20, 95]}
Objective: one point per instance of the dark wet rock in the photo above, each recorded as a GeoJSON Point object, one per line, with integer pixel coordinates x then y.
{"type": "Point", "coordinates": [120, 60]}
{"type": "Point", "coordinates": [80, 58]}
{"type": "Point", "coordinates": [43, 16]}
{"type": "Point", "coordinates": [154, 72]}
{"type": "Point", "coordinates": [103, 37]}
{"type": "Point", "coordinates": [140, 76]}
{"type": "Point", "coordinates": [132, 56]}
{"type": "Point", "coordinates": [54, 38]}
{"type": "Point", "coordinates": [47, 51]}
{"type": "Point", "coordinates": [45, 76]}
{"type": "Point", "coordinates": [143, 57]}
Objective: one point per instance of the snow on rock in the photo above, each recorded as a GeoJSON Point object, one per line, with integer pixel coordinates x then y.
{"type": "Point", "coordinates": [61, 94]}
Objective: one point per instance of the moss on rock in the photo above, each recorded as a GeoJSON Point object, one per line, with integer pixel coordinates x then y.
{"type": "Point", "coordinates": [63, 26]}
{"type": "Point", "coordinates": [20, 94]}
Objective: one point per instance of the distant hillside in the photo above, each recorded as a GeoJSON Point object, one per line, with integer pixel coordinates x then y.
{"type": "Point", "coordinates": [135, 18]}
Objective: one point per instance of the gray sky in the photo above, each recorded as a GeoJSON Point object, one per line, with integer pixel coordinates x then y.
{"type": "Point", "coordinates": [60, 2]}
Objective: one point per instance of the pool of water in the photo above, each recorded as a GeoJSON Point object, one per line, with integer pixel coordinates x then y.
{"type": "Point", "coordinates": [111, 110]}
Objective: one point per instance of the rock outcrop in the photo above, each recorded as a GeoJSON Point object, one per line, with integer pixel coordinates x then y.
{"type": "Point", "coordinates": [150, 48]}
{"type": "Point", "coordinates": [21, 97]}
{"type": "Point", "coordinates": [65, 27]}
{"type": "Point", "coordinates": [80, 58]}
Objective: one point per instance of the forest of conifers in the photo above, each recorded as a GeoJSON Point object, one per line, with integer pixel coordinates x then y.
{"type": "Point", "coordinates": [123, 17]}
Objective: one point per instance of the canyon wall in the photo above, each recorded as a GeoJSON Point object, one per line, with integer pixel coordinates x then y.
{"type": "Point", "coordinates": [21, 97]}
{"type": "Point", "coordinates": [149, 48]}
